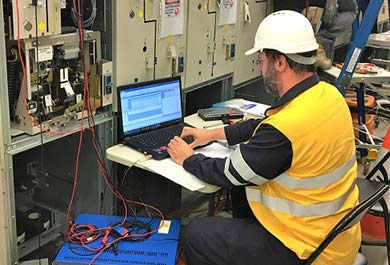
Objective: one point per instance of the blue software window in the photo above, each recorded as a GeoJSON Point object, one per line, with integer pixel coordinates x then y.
{"type": "Point", "coordinates": [150, 105]}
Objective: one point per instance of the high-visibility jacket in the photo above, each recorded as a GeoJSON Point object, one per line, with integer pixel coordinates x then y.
{"type": "Point", "coordinates": [301, 205]}
{"type": "Point", "coordinates": [301, 157]}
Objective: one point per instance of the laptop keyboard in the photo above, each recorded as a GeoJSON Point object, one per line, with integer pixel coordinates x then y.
{"type": "Point", "coordinates": [159, 138]}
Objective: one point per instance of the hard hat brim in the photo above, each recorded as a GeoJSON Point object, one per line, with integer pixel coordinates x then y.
{"type": "Point", "coordinates": [252, 51]}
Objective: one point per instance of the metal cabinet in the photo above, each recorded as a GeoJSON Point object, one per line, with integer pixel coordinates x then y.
{"type": "Point", "coordinates": [26, 189]}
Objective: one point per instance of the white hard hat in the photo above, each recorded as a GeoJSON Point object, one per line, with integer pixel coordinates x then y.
{"type": "Point", "coordinates": [286, 31]}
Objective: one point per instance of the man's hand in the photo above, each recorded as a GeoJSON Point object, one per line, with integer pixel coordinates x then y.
{"type": "Point", "coordinates": [330, 12]}
{"type": "Point", "coordinates": [200, 136]}
{"type": "Point", "coordinates": [179, 150]}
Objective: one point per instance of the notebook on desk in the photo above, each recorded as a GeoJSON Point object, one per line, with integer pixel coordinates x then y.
{"type": "Point", "coordinates": [151, 114]}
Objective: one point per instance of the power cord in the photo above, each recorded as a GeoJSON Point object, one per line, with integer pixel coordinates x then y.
{"type": "Point", "coordinates": [133, 230]}
{"type": "Point", "coordinates": [143, 159]}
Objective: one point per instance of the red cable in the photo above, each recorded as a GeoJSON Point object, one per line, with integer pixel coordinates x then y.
{"type": "Point", "coordinates": [74, 182]}
{"type": "Point", "coordinates": [307, 7]}
{"type": "Point", "coordinates": [101, 167]}
{"type": "Point", "coordinates": [88, 235]}
{"type": "Point", "coordinates": [120, 196]}
{"type": "Point", "coordinates": [23, 85]}
{"type": "Point", "coordinates": [106, 247]}
{"type": "Point", "coordinates": [128, 236]}
{"type": "Point", "coordinates": [82, 126]}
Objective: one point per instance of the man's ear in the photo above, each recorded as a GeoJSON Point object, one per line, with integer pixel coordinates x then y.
{"type": "Point", "coordinates": [281, 63]}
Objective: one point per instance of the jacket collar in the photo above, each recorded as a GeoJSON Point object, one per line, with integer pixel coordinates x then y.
{"type": "Point", "coordinates": [296, 90]}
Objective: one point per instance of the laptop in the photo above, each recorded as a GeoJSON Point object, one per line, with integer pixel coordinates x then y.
{"type": "Point", "coordinates": [151, 114]}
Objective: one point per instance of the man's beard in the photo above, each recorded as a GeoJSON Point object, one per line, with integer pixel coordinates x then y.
{"type": "Point", "coordinates": [271, 84]}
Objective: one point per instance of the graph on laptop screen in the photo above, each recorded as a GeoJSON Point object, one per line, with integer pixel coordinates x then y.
{"type": "Point", "coordinates": [150, 105]}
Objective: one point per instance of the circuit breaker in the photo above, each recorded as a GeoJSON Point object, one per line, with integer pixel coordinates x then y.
{"type": "Point", "coordinates": [250, 14]}
{"type": "Point", "coordinates": [36, 18]}
{"type": "Point", "coordinates": [149, 40]}
{"type": "Point", "coordinates": [54, 90]}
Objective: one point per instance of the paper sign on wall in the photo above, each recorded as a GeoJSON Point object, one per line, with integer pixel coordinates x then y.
{"type": "Point", "coordinates": [227, 12]}
{"type": "Point", "coordinates": [171, 18]}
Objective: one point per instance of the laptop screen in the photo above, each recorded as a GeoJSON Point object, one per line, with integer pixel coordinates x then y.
{"type": "Point", "coordinates": [150, 105]}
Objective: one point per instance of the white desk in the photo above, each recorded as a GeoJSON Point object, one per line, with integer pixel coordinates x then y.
{"type": "Point", "coordinates": [382, 76]}
{"type": "Point", "coordinates": [379, 40]}
{"type": "Point", "coordinates": [127, 156]}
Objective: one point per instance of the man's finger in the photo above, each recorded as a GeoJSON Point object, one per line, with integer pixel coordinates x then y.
{"type": "Point", "coordinates": [193, 144]}
{"type": "Point", "coordinates": [178, 139]}
{"type": "Point", "coordinates": [187, 131]}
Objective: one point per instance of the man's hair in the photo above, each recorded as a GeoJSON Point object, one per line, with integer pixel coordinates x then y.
{"type": "Point", "coordinates": [296, 67]}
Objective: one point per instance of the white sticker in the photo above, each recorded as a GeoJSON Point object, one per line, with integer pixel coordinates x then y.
{"type": "Point", "coordinates": [68, 88]}
{"type": "Point", "coordinates": [45, 53]}
{"type": "Point", "coordinates": [79, 98]}
{"type": "Point", "coordinates": [62, 4]}
{"type": "Point", "coordinates": [22, 238]}
{"type": "Point", "coordinates": [63, 74]}
{"type": "Point", "coordinates": [354, 58]}
{"type": "Point", "coordinates": [46, 224]}
{"type": "Point", "coordinates": [164, 228]}
{"type": "Point", "coordinates": [48, 101]}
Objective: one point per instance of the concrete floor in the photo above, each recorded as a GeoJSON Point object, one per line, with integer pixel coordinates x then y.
{"type": "Point", "coordinates": [375, 255]}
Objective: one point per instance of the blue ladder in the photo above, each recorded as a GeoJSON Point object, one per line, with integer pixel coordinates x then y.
{"type": "Point", "coordinates": [360, 36]}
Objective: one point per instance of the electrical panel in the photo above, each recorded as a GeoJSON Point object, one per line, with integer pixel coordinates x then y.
{"type": "Point", "coordinates": [200, 42]}
{"type": "Point", "coordinates": [250, 14]}
{"type": "Point", "coordinates": [211, 44]}
{"type": "Point", "coordinates": [211, 40]}
{"type": "Point", "coordinates": [225, 39]}
{"type": "Point", "coordinates": [171, 37]}
{"type": "Point", "coordinates": [54, 90]}
{"type": "Point", "coordinates": [36, 18]}
{"type": "Point", "coordinates": [149, 40]}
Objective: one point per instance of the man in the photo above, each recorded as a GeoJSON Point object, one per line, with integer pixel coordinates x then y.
{"type": "Point", "coordinates": [337, 18]}
{"type": "Point", "coordinates": [298, 164]}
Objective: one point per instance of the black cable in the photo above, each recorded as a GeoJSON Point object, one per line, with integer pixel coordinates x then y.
{"type": "Point", "coordinates": [93, 253]}
{"type": "Point", "coordinates": [40, 92]}
{"type": "Point", "coordinates": [39, 108]}
{"type": "Point", "coordinates": [13, 70]}
{"type": "Point", "coordinates": [134, 227]}
{"type": "Point", "coordinates": [102, 197]}
{"type": "Point", "coordinates": [100, 158]}
{"type": "Point", "coordinates": [140, 199]}
{"type": "Point", "coordinates": [99, 155]}
{"type": "Point", "coordinates": [91, 122]}
{"type": "Point", "coordinates": [83, 234]}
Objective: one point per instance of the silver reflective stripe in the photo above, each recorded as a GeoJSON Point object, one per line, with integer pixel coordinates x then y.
{"type": "Point", "coordinates": [244, 169]}
{"type": "Point", "coordinates": [296, 209]}
{"type": "Point", "coordinates": [230, 177]}
{"type": "Point", "coordinates": [317, 181]}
